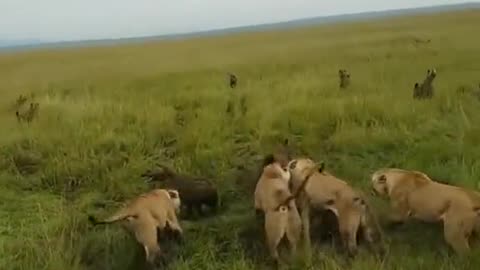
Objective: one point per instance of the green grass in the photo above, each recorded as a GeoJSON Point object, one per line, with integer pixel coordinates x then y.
{"type": "Point", "coordinates": [107, 114]}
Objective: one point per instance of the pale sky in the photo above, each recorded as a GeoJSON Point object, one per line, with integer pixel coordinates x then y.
{"type": "Point", "coordinates": [94, 19]}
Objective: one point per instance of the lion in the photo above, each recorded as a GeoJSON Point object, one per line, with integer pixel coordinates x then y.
{"type": "Point", "coordinates": [327, 192]}
{"type": "Point", "coordinates": [273, 198]}
{"type": "Point", "coordinates": [270, 192]}
{"type": "Point", "coordinates": [425, 89]}
{"type": "Point", "coordinates": [414, 195]}
{"type": "Point", "coordinates": [147, 217]}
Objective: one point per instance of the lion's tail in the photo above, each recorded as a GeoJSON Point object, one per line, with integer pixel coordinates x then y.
{"type": "Point", "coordinates": [119, 216]}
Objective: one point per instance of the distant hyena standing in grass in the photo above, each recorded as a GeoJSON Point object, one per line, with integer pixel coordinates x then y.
{"type": "Point", "coordinates": [29, 114]}
{"type": "Point", "coordinates": [233, 80]}
{"type": "Point", "coordinates": [425, 89]}
{"type": "Point", "coordinates": [344, 78]}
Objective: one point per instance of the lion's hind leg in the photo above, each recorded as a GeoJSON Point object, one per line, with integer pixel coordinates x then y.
{"type": "Point", "coordinates": [145, 230]}
{"type": "Point", "coordinates": [275, 229]}
{"type": "Point", "coordinates": [294, 229]}
{"type": "Point", "coordinates": [458, 228]}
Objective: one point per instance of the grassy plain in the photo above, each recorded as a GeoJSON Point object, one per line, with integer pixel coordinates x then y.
{"type": "Point", "coordinates": [108, 113]}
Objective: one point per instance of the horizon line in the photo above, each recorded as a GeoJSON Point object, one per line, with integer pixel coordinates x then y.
{"type": "Point", "coordinates": [222, 30]}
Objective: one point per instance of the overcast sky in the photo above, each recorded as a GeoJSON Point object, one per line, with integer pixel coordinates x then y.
{"type": "Point", "coordinates": [93, 19]}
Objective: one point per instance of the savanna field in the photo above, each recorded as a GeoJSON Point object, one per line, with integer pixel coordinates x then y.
{"type": "Point", "coordinates": [107, 114]}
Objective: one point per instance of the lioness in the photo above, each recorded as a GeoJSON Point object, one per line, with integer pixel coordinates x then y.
{"type": "Point", "coordinates": [326, 192]}
{"type": "Point", "coordinates": [413, 194]}
{"type": "Point", "coordinates": [147, 214]}
{"type": "Point", "coordinates": [273, 198]}
{"type": "Point", "coordinates": [270, 191]}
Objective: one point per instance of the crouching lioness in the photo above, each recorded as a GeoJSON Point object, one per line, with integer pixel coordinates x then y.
{"type": "Point", "coordinates": [274, 199]}
{"type": "Point", "coordinates": [145, 216]}
{"type": "Point", "coordinates": [326, 192]}
{"type": "Point", "coordinates": [414, 195]}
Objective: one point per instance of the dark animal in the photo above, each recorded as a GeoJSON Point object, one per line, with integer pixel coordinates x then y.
{"type": "Point", "coordinates": [194, 192]}
{"type": "Point", "coordinates": [425, 90]}
{"type": "Point", "coordinates": [344, 78]}
{"type": "Point", "coordinates": [21, 100]}
{"type": "Point", "coordinates": [233, 80]}
{"type": "Point", "coordinates": [29, 114]}
{"type": "Point", "coordinates": [421, 41]}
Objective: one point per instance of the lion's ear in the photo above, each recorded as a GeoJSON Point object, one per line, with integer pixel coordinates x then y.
{"type": "Point", "coordinates": [173, 194]}
{"type": "Point", "coordinates": [359, 200]}
{"type": "Point", "coordinates": [292, 164]}
{"type": "Point", "coordinates": [382, 179]}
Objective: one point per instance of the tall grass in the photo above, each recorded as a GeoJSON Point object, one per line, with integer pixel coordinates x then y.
{"type": "Point", "coordinates": [107, 114]}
